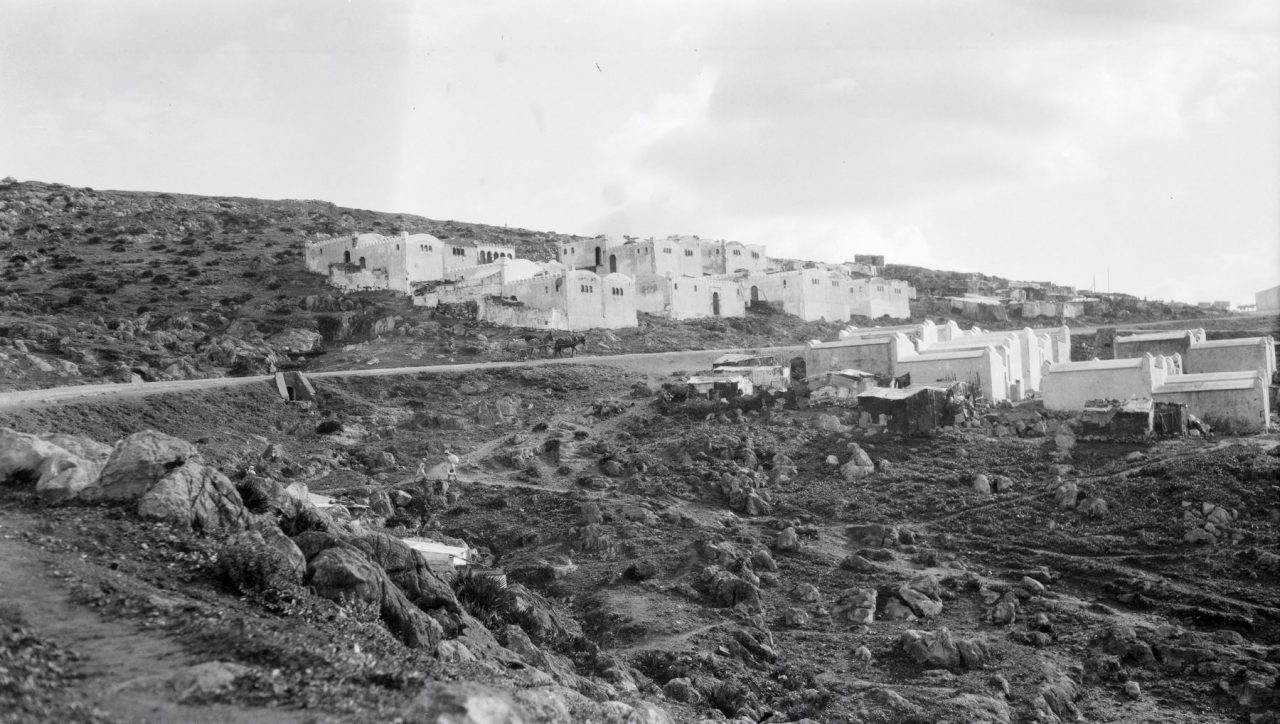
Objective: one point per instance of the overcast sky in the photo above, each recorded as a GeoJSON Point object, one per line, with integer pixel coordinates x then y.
{"type": "Point", "coordinates": [1034, 139]}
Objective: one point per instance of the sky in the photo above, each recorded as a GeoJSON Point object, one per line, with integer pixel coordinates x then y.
{"type": "Point", "coordinates": [1057, 140]}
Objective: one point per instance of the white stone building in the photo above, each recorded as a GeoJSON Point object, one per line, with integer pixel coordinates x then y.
{"type": "Point", "coordinates": [374, 261]}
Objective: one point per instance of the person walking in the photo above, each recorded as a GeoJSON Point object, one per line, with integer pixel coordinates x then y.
{"type": "Point", "coordinates": [422, 470]}
{"type": "Point", "coordinates": [453, 467]}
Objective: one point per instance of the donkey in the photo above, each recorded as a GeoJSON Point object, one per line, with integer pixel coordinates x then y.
{"type": "Point", "coordinates": [572, 344]}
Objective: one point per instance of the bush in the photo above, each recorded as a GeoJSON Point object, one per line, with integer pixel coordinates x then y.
{"type": "Point", "coordinates": [328, 427]}
{"type": "Point", "coordinates": [249, 564]}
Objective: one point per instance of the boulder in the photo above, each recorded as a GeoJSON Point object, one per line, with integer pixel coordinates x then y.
{"type": "Point", "coordinates": [681, 689]}
{"type": "Point", "coordinates": [1065, 495]}
{"type": "Point", "coordinates": [344, 574]}
{"type": "Point", "coordinates": [872, 535]}
{"type": "Point", "coordinates": [896, 610]}
{"type": "Point", "coordinates": [796, 617]}
{"type": "Point", "coordinates": [857, 606]}
{"type": "Point", "coordinates": [60, 465]}
{"type": "Point", "coordinates": [1006, 609]}
{"type": "Point", "coordinates": [137, 463]}
{"type": "Point", "coordinates": [808, 593]}
{"type": "Point", "coordinates": [407, 570]}
{"type": "Point", "coordinates": [1092, 507]}
{"type": "Point", "coordinates": [981, 485]}
{"type": "Point", "coordinates": [938, 649]}
{"type": "Point", "coordinates": [859, 465]}
{"type": "Point", "coordinates": [197, 497]}
{"type": "Point", "coordinates": [463, 703]}
{"type": "Point", "coordinates": [788, 540]}
{"type": "Point", "coordinates": [208, 679]}
{"type": "Point", "coordinates": [296, 341]}
{"type": "Point", "coordinates": [920, 603]}
{"type": "Point", "coordinates": [255, 558]}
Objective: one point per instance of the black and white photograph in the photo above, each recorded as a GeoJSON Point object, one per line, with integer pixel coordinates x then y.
{"type": "Point", "coordinates": [567, 361]}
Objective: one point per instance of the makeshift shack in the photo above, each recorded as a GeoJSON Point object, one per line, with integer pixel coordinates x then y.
{"type": "Point", "coordinates": [840, 386]}
{"type": "Point", "coordinates": [764, 371]}
{"type": "Point", "coordinates": [1129, 420]}
{"type": "Point", "coordinates": [1170, 418]}
{"type": "Point", "coordinates": [911, 410]}
{"type": "Point", "coordinates": [442, 557]}
{"type": "Point", "coordinates": [720, 386]}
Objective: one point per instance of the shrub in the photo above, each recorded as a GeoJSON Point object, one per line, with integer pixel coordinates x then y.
{"type": "Point", "coordinates": [328, 427]}
{"type": "Point", "coordinates": [250, 564]}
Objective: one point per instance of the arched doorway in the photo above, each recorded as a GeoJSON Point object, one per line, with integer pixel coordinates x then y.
{"type": "Point", "coordinates": [613, 263]}
{"type": "Point", "coordinates": [755, 294]}
{"type": "Point", "coordinates": [798, 370]}
{"type": "Point", "coordinates": [597, 256]}
{"type": "Point", "coordinates": [361, 262]}
{"type": "Point", "coordinates": [346, 257]}
{"type": "Point", "coordinates": [715, 304]}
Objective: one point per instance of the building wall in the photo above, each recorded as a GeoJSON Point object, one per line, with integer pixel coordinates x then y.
{"type": "Point", "coordinates": [976, 367]}
{"type": "Point", "coordinates": [1268, 300]}
{"type": "Point", "coordinates": [1138, 345]}
{"type": "Point", "coordinates": [1258, 354]}
{"type": "Point", "coordinates": [507, 315]}
{"type": "Point", "coordinates": [617, 302]}
{"type": "Point", "coordinates": [876, 355]}
{"type": "Point", "coordinates": [876, 297]}
{"type": "Point", "coordinates": [1247, 409]}
{"type": "Point", "coordinates": [1070, 386]}
{"type": "Point", "coordinates": [695, 297]}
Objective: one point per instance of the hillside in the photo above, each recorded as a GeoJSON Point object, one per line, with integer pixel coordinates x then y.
{"type": "Point", "coordinates": [120, 285]}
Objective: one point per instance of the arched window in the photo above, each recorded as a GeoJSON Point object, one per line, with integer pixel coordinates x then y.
{"type": "Point", "coordinates": [346, 257]}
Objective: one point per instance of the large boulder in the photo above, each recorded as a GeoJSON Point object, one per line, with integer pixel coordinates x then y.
{"type": "Point", "coordinates": [60, 465]}
{"type": "Point", "coordinates": [344, 574]}
{"type": "Point", "coordinates": [296, 341]}
{"type": "Point", "coordinates": [407, 570]}
{"type": "Point", "coordinates": [938, 649]}
{"type": "Point", "coordinates": [198, 497]}
{"type": "Point", "coordinates": [857, 606]}
{"type": "Point", "coordinates": [859, 465]}
{"type": "Point", "coordinates": [463, 703]}
{"type": "Point", "coordinates": [137, 463]}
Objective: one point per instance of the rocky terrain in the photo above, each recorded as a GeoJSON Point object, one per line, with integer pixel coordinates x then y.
{"type": "Point", "coordinates": [665, 560]}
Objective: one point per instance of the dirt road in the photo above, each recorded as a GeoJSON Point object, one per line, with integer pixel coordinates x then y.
{"type": "Point", "coordinates": [654, 364]}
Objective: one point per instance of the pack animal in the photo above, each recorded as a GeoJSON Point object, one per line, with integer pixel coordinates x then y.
{"type": "Point", "coordinates": [570, 343]}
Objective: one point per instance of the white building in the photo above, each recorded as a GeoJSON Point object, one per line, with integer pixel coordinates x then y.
{"type": "Point", "coordinates": [374, 261]}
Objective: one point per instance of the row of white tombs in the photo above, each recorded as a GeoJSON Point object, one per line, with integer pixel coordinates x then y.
{"type": "Point", "coordinates": [1225, 382]}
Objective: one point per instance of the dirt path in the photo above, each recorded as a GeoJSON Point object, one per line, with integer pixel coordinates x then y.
{"type": "Point", "coordinates": [650, 363]}
{"type": "Point", "coordinates": [124, 671]}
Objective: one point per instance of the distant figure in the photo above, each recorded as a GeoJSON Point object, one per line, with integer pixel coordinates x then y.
{"type": "Point", "coordinates": [422, 470]}
{"type": "Point", "coordinates": [453, 467]}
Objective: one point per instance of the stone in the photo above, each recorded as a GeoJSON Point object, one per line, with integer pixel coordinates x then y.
{"type": "Point", "coordinates": [681, 689]}
{"type": "Point", "coordinates": [1065, 495]}
{"type": "Point", "coordinates": [380, 504]}
{"type": "Point", "coordinates": [859, 465]}
{"type": "Point", "coordinates": [1064, 439]}
{"type": "Point", "coordinates": [138, 462]}
{"type": "Point", "coordinates": [981, 485]}
{"type": "Point", "coordinates": [463, 703]}
{"type": "Point", "coordinates": [589, 514]}
{"type": "Point", "coordinates": [195, 496]}
{"type": "Point", "coordinates": [641, 570]}
{"type": "Point", "coordinates": [1092, 507]}
{"type": "Point", "coordinates": [1135, 456]}
{"type": "Point", "coordinates": [862, 655]}
{"type": "Point", "coordinates": [1031, 585]}
{"type": "Point", "coordinates": [1006, 609]}
{"type": "Point", "coordinates": [808, 593]}
{"type": "Point", "coordinates": [296, 341]}
{"type": "Point", "coordinates": [1132, 690]}
{"type": "Point", "coordinates": [896, 610]}
{"type": "Point", "coordinates": [938, 649]}
{"type": "Point", "coordinates": [788, 540]}
{"type": "Point", "coordinates": [60, 465]}
{"type": "Point", "coordinates": [832, 460]}
{"type": "Point", "coordinates": [920, 603]}
{"type": "Point", "coordinates": [872, 535]}
{"type": "Point", "coordinates": [761, 560]}
{"type": "Point", "coordinates": [1002, 484]}
{"type": "Point", "coordinates": [1199, 536]}
{"type": "Point", "coordinates": [796, 617]}
{"type": "Point", "coordinates": [343, 574]}
{"type": "Point", "coordinates": [857, 606]}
